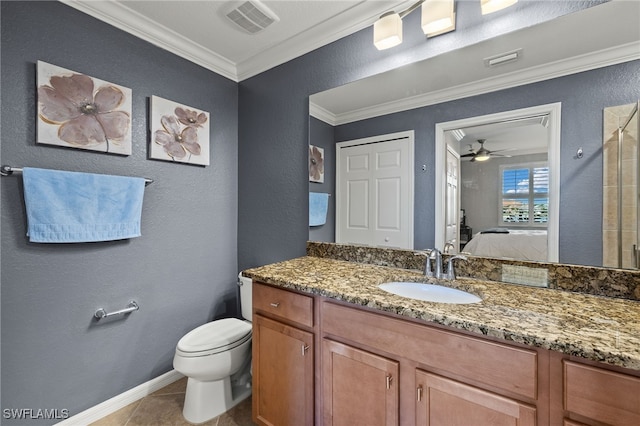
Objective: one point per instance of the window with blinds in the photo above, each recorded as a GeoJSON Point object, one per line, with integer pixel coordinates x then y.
{"type": "Point", "coordinates": [524, 194]}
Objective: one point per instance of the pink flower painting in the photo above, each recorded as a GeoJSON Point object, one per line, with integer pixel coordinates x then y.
{"type": "Point", "coordinates": [316, 164]}
{"type": "Point", "coordinates": [79, 111]}
{"type": "Point", "coordinates": [178, 133]}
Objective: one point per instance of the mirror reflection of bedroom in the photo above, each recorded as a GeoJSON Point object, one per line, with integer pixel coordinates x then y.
{"type": "Point", "coordinates": [502, 189]}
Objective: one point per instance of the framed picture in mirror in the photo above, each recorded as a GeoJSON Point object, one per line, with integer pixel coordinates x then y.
{"type": "Point", "coordinates": [316, 164]}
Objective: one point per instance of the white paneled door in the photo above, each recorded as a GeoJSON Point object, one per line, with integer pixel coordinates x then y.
{"type": "Point", "coordinates": [374, 191]}
{"type": "Point", "coordinates": [452, 212]}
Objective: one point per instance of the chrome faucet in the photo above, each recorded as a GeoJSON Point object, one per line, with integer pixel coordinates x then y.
{"type": "Point", "coordinates": [448, 247]}
{"type": "Point", "coordinates": [437, 269]}
{"type": "Point", "coordinates": [451, 273]}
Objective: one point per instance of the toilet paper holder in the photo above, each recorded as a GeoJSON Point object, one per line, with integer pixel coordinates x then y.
{"type": "Point", "coordinates": [102, 313]}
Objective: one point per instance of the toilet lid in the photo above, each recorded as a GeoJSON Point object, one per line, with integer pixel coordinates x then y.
{"type": "Point", "coordinates": [218, 334]}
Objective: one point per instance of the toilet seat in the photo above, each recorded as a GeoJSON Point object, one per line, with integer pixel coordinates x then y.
{"type": "Point", "coordinates": [214, 337]}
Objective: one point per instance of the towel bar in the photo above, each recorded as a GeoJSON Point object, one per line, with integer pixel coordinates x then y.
{"type": "Point", "coordinates": [132, 306]}
{"type": "Point", "coordinates": [9, 170]}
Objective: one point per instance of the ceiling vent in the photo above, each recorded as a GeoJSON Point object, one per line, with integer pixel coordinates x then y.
{"type": "Point", "coordinates": [252, 16]}
{"type": "Point", "coordinates": [503, 58]}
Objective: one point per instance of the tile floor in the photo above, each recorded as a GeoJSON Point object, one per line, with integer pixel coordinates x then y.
{"type": "Point", "coordinates": [164, 408]}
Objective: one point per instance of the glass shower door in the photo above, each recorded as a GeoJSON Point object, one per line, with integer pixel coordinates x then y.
{"type": "Point", "coordinates": [621, 187]}
{"type": "Point", "coordinates": [630, 138]}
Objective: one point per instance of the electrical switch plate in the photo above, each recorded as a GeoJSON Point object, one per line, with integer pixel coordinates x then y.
{"type": "Point", "coordinates": [537, 277]}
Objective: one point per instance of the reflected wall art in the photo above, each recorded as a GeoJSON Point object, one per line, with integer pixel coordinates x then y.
{"type": "Point", "coordinates": [316, 164]}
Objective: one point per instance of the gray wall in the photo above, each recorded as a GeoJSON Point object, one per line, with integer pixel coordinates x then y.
{"type": "Point", "coordinates": [273, 114]}
{"type": "Point", "coordinates": [183, 269]}
{"type": "Point", "coordinates": [583, 96]}
{"type": "Point", "coordinates": [321, 134]}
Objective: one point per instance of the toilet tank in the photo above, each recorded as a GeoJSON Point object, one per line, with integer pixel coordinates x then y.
{"type": "Point", "coordinates": [245, 296]}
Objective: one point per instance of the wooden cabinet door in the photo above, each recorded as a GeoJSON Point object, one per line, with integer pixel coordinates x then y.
{"type": "Point", "coordinates": [442, 401]}
{"type": "Point", "coordinates": [359, 388]}
{"type": "Point", "coordinates": [604, 396]}
{"type": "Point", "coordinates": [282, 374]}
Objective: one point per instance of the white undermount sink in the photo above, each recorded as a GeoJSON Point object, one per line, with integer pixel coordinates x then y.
{"type": "Point", "coordinates": [430, 292]}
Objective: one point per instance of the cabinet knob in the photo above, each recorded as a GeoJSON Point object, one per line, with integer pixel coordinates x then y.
{"type": "Point", "coordinates": [305, 348]}
{"type": "Point", "coordinates": [389, 379]}
{"type": "Point", "coordinates": [275, 304]}
{"type": "Point", "coordinates": [419, 393]}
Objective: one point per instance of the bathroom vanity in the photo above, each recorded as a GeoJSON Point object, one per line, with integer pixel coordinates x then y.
{"type": "Point", "coordinates": [330, 347]}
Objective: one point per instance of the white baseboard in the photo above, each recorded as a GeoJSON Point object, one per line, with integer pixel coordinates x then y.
{"type": "Point", "coordinates": [112, 405]}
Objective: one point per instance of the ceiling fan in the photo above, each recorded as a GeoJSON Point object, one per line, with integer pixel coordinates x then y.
{"type": "Point", "coordinates": [483, 154]}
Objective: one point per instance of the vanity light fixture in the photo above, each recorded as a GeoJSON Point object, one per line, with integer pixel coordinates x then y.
{"type": "Point", "coordinates": [437, 18]}
{"type": "Point", "coordinates": [490, 6]}
{"type": "Point", "coordinates": [387, 31]}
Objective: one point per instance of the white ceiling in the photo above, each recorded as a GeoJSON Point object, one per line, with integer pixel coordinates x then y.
{"type": "Point", "coordinates": [200, 32]}
{"type": "Point", "coordinates": [511, 137]}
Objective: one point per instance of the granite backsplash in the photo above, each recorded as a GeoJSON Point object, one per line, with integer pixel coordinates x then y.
{"type": "Point", "coordinates": [608, 282]}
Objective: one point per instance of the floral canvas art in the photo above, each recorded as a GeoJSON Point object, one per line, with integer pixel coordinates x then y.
{"type": "Point", "coordinates": [316, 164]}
{"type": "Point", "coordinates": [78, 111]}
{"type": "Point", "coordinates": [178, 133]}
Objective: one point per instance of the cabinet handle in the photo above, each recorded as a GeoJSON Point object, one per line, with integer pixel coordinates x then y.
{"type": "Point", "coordinates": [389, 379]}
{"type": "Point", "coordinates": [305, 348]}
{"type": "Point", "coordinates": [419, 392]}
{"type": "Point", "coordinates": [275, 304]}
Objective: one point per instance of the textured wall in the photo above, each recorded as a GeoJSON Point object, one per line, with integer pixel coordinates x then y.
{"type": "Point", "coordinates": [583, 97]}
{"type": "Point", "coordinates": [183, 269]}
{"type": "Point", "coordinates": [321, 135]}
{"type": "Point", "coordinates": [273, 114]}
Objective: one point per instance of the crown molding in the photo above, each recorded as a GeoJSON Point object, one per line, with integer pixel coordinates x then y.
{"type": "Point", "coordinates": [347, 23]}
{"type": "Point", "coordinates": [114, 13]}
{"type": "Point", "coordinates": [586, 62]}
{"type": "Point", "coordinates": [322, 114]}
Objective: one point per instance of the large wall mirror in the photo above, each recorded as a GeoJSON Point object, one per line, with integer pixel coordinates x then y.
{"type": "Point", "coordinates": [579, 63]}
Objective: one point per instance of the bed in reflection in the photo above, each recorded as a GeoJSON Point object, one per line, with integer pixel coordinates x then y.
{"type": "Point", "coordinates": [509, 243]}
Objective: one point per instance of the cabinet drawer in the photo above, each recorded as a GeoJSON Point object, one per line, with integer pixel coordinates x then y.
{"type": "Point", "coordinates": [285, 304]}
{"type": "Point", "coordinates": [504, 367]}
{"type": "Point", "coordinates": [601, 395]}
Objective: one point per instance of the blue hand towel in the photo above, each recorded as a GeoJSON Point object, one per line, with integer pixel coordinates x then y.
{"type": "Point", "coordinates": [72, 207]}
{"type": "Point", "coordinates": [318, 205]}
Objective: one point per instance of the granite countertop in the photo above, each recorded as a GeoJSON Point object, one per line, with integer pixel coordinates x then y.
{"type": "Point", "coordinates": [593, 327]}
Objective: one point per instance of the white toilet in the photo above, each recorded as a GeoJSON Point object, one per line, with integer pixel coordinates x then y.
{"type": "Point", "coordinates": [216, 357]}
